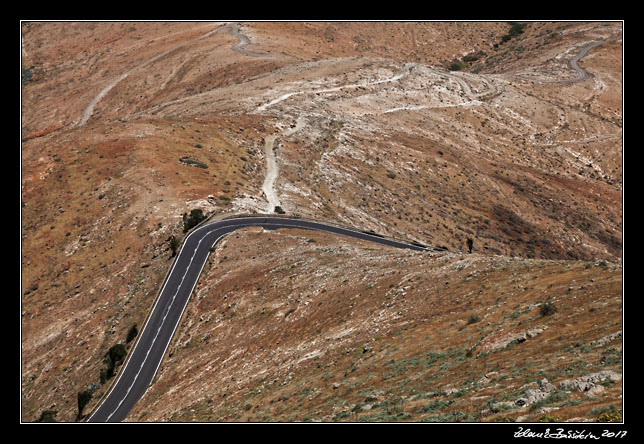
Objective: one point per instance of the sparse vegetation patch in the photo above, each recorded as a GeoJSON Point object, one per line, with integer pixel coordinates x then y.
{"type": "Point", "coordinates": [192, 220]}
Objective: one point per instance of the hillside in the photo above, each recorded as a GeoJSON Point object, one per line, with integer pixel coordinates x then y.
{"type": "Point", "coordinates": [284, 330]}
{"type": "Point", "coordinates": [435, 132]}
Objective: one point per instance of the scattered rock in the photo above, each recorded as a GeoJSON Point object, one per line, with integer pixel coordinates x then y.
{"type": "Point", "coordinates": [544, 410]}
{"type": "Point", "coordinates": [536, 393]}
{"type": "Point", "coordinates": [498, 406]}
{"type": "Point", "coordinates": [534, 332]}
{"type": "Point", "coordinates": [373, 397]}
{"type": "Point", "coordinates": [531, 396]}
{"type": "Point", "coordinates": [498, 341]}
{"type": "Point", "coordinates": [545, 386]}
{"type": "Point", "coordinates": [606, 339]}
{"type": "Point", "coordinates": [586, 383]}
{"type": "Point", "coordinates": [596, 390]}
{"type": "Point", "coordinates": [192, 161]}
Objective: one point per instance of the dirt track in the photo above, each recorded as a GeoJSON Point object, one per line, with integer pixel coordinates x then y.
{"type": "Point", "coordinates": [90, 108]}
{"type": "Point", "coordinates": [272, 170]}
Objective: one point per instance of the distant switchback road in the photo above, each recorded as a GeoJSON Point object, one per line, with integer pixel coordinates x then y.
{"type": "Point", "coordinates": [152, 342]}
{"type": "Point", "coordinates": [582, 74]}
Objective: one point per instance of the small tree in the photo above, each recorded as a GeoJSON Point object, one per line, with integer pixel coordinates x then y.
{"type": "Point", "coordinates": [457, 65]}
{"type": "Point", "coordinates": [47, 416]}
{"type": "Point", "coordinates": [470, 244]}
{"type": "Point", "coordinates": [113, 357]}
{"type": "Point", "coordinates": [174, 244]}
{"type": "Point", "coordinates": [131, 334]}
{"type": "Point", "coordinates": [117, 353]}
{"type": "Point", "coordinates": [83, 399]}
{"type": "Point", "coordinates": [548, 308]}
{"type": "Point", "coordinates": [103, 376]}
{"type": "Point", "coordinates": [195, 217]}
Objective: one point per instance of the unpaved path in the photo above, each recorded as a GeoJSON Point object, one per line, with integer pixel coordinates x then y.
{"type": "Point", "coordinates": [272, 169]}
{"type": "Point", "coordinates": [398, 76]}
{"type": "Point", "coordinates": [233, 28]}
{"type": "Point", "coordinates": [89, 110]}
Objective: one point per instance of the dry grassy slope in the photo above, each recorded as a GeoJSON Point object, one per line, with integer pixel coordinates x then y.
{"type": "Point", "coordinates": [98, 209]}
{"type": "Point", "coordinates": [297, 326]}
{"type": "Point", "coordinates": [101, 201]}
{"type": "Point", "coordinates": [531, 169]}
{"type": "Point", "coordinates": [72, 61]}
{"type": "Point", "coordinates": [432, 43]}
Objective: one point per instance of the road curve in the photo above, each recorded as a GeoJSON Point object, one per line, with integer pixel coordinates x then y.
{"type": "Point", "coordinates": [153, 340]}
{"type": "Point", "coordinates": [582, 74]}
{"type": "Point", "coordinates": [234, 29]}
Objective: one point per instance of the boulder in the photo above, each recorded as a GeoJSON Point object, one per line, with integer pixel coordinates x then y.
{"type": "Point", "coordinates": [587, 382]}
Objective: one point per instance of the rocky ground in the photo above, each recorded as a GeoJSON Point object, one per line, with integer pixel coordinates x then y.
{"type": "Point", "coordinates": [434, 132]}
{"type": "Point", "coordinates": [286, 331]}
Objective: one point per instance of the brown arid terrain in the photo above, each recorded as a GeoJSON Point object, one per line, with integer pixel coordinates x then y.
{"type": "Point", "coordinates": [434, 132]}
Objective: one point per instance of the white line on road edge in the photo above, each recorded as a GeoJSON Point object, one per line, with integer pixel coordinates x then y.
{"type": "Point", "coordinates": [164, 318]}
{"type": "Point", "coordinates": [187, 299]}
{"type": "Point", "coordinates": [253, 219]}
{"type": "Point", "coordinates": [156, 302]}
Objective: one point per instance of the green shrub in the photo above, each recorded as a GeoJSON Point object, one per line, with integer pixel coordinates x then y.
{"type": "Point", "coordinates": [546, 418]}
{"type": "Point", "coordinates": [552, 398]}
{"type": "Point", "coordinates": [516, 29]}
{"type": "Point", "coordinates": [47, 416]}
{"type": "Point", "coordinates": [186, 160]}
{"type": "Point", "coordinates": [435, 406]}
{"type": "Point", "coordinates": [113, 357]}
{"type": "Point", "coordinates": [455, 416]}
{"type": "Point", "coordinates": [131, 334]}
{"type": "Point", "coordinates": [191, 221]}
{"type": "Point", "coordinates": [547, 308]}
{"type": "Point", "coordinates": [505, 419]}
{"type": "Point", "coordinates": [456, 65]}
{"type": "Point", "coordinates": [117, 353]}
{"type": "Point", "coordinates": [83, 398]}
{"type": "Point", "coordinates": [103, 376]}
{"type": "Point", "coordinates": [174, 244]}
{"type": "Point", "coordinates": [603, 409]}
{"type": "Point", "coordinates": [27, 76]}
{"type": "Point", "coordinates": [610, 414]}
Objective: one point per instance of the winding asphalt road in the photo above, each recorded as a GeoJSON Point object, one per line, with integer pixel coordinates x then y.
{"type": "Point", "coordinates": [234, 29]}
{"type": "Point", "coordinates": [582, 74]}
{"type": "Point", "coordinates": [153, 340]}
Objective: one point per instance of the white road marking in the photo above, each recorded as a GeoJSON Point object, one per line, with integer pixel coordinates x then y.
{"type": "Point", "coordinates": [163, 321]}
{"type": "Point", "coordinates": [254, 221]}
